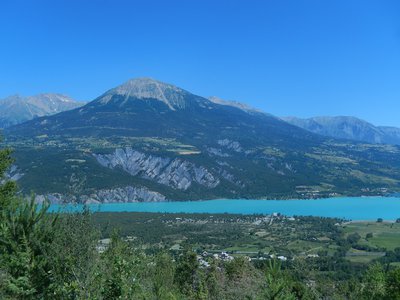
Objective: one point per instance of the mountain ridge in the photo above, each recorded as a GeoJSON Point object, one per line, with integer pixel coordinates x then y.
{"type": "Point", "coordinates": [233, 103]}
{"type": "Point", "coordinates": [17, 109]}
{"type": "Point", "coordinates": [348, 127]}
{"type": "Point", "coordinates": [162, 140]}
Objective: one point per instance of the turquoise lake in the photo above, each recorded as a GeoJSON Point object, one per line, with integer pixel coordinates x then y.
{"type": "Point", "coordinates": [352, 208]}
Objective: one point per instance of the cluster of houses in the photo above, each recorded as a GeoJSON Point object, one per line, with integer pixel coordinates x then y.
{"type": "Point", "coordinates": [224, 256]}
{"type": "Point", "coordinates": [380, 191]}
{"type": "Point", "coordinates": [256, 220]}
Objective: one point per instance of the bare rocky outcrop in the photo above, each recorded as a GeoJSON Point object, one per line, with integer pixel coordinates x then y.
{"type": "Point", "coordinates": [176, 173]}
{"type": "Point", "coordinates": [13, 173]}
{"type": "Point", "coordinates": [231, 145]}
{"type": "Point", "coordinates": [117, 195]}
{"type": "Point", "coordinates": [216, 152]}
{"type": "Point", "coordinates": [231, 178]}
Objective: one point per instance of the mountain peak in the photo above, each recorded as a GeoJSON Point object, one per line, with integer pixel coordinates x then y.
{"type": "Point", "coordinates": [148, 88]}
{"type": "Point", "coordinates": [53, 97]}
{"type": "Point", "coordinates": [16, 109]}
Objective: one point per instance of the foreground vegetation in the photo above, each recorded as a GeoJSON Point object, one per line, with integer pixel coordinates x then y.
{"type": "Point", "coordinates": [156, 256]}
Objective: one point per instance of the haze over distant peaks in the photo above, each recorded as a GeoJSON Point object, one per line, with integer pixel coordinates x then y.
{"type": "Point", "coordinates": [351, 128]}
{"type": "Point", "coordinates": [147, 88]}
{"type": "Point", "coordinates": [17, 109]}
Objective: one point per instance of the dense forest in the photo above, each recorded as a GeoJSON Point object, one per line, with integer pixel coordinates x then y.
{"type": "Point", "coordinates": [57, 256]}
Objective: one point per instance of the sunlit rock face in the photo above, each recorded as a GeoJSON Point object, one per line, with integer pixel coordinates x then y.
{"type": "Point", "coordinates": [176, 173]}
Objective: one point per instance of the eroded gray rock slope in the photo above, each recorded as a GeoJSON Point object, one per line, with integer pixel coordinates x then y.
{"type": "Point", "coordinates": [176, 173]}
{"type": "Point", "coordinates": [117, 195]}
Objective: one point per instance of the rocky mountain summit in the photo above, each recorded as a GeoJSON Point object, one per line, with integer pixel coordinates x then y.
{"type": "Point", "coordinates": [148, 89]}
{"type": "Point", "coordinates": [146, 140]}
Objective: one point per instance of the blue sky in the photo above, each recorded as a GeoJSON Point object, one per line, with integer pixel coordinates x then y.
{"type": "Point", "coordinates": [299, 57]}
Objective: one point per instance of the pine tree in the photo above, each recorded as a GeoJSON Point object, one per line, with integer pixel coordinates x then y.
{"type": "Point", "coordinates": [25, 236]}
{"type": "Point", "coordinates": [7, 187]}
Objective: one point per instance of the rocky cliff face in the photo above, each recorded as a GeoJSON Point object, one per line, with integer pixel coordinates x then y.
{"type": "Point", "coordinates": [175, 173]}
{"type": "Point", "coordinates": [117, 195]}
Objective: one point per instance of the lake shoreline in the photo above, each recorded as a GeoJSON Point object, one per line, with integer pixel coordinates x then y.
{"type": "Point", "coordinates": [347, 208]}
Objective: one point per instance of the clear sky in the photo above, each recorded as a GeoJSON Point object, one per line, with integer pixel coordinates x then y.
{"type": "Point", "coordinates": [298, 57]}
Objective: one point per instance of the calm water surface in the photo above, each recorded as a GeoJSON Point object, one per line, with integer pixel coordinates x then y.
{"type": "Point", "coordinates": [354, 208]}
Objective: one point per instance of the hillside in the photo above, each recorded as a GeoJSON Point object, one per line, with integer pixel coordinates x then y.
{"type": "Point", "coordinates": [150, 141]}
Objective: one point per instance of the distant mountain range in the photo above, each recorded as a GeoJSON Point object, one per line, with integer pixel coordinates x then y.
{"type": "Point", "coordinates": [350, 128]}
{"type": "Point", "coordinates": [236, 104]}
{"type": "Point", "coordinates": [17, 109]}
{"type": "Point", "coordinates": [146, 140]}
